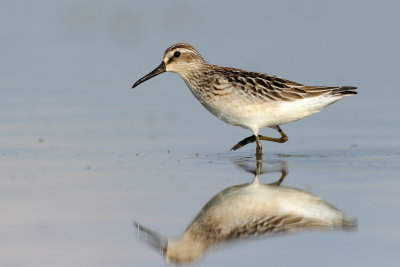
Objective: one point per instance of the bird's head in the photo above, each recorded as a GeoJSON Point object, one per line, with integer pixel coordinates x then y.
{"type": "Point", "coordinates": [180, 58]}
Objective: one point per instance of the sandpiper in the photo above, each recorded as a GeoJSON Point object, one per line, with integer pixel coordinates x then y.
{"type": "Point", "coordinates": [248, 210]}
{"type": "Point", "coordinates": [251, 100]}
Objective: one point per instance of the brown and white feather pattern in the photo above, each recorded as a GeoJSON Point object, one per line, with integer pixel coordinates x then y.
{"type": "Point", "coordinates": [265, 87]}
{"type": "Point", "coordinates": [259, 226]}
{"type": "Point", "coordinates": [247, 99]}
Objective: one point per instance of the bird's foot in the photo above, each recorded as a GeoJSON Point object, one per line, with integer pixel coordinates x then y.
{"type": "Point", "coordinates": [247, 140]}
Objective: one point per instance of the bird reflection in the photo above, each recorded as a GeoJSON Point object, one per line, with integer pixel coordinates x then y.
{"type": "Point", "coordinates": [248, 210]}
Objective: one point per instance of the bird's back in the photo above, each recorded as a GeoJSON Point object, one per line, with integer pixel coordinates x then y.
{"type": "Point", "coordinates": [257, 100]}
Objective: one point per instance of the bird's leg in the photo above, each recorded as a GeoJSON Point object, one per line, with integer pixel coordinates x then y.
{"type": "Point", "coordinates": [282, 139]}
{"type": "Point", "coordinates": [252, 139]}
{"type": "Point", "coordinates": [284, 173]}
{"type": "Point", "coordinates": [258, 166]}
{"type": "Point", "coordinates": [258, 148]}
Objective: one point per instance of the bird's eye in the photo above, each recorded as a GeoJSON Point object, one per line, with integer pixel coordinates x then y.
{"type": "Point", "coordinates": [177, 54]}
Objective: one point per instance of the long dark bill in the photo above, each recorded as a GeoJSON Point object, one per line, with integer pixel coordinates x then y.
{"type": "Point", "coordinates": [160, 69]}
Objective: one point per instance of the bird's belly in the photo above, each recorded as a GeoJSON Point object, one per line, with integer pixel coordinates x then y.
{"type": "Point", "coordinates": [233, 112]}
{"type": "Point", "coordinates": [260, 114]}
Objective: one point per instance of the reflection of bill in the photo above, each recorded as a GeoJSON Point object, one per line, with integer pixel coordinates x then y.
{"type": "Point", "coordinates": [248, 210]}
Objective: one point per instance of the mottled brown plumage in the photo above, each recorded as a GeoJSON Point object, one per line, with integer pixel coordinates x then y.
{"type": "Point", "coordinates": [248, 99]}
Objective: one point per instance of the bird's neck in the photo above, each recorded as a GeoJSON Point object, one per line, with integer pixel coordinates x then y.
{"type": "Point", "coordinates": [197, 78]}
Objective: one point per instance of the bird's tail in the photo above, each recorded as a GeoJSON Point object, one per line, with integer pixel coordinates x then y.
{"type": "Point", "coordinates": [344, 90]}
{"type": "Point", "coordinates": [349, 223]}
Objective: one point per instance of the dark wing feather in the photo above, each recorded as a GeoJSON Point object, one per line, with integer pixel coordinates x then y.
{"type": "Point", "coordinates": [258, 226]}
{"type": "Point", "coordinates": [275, 224]}
{"type": "Point", "coordinates": [271, 87]}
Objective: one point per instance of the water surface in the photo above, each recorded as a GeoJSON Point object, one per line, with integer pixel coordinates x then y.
{"type": "Point", "coordinates": [82, 155]}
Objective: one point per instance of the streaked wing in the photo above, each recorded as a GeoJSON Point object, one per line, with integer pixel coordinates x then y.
{"type": "Point", "coordinates": [281, 224]}
{"type": "Point", "coordinates": [269, 87]}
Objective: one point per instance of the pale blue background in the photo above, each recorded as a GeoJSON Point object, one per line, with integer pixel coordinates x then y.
{"type": "Point", "coordinates": [82, 155]}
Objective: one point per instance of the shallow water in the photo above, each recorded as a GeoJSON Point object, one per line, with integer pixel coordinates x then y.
{"type": "Point", "coordinates": [78, 204]}
{"type": "Point", "coordinates": [82, 156]}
